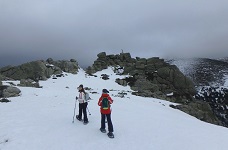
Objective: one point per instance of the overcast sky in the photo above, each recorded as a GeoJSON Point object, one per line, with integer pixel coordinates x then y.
{"type": "Point", "coordinates": [80, 29]}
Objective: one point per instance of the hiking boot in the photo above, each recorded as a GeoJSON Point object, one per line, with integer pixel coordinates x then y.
{"type": "Point", "coordinates": [102, 130]}
{"type": "Point", "coordinates": [77, 117]}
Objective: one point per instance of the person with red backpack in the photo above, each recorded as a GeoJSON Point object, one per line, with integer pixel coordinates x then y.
{"type": "Point", "coordinates": [105, 102]}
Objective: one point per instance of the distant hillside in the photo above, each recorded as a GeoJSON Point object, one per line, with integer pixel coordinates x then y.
{"type": "Point", "coordinates": [224, 59]}
{"type": "Point", "coordinates": [203, 71]}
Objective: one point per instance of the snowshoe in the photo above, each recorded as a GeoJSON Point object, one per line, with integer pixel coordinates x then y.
{"type": "Point", "coordinates": [85, 122]}
{"type": "Point", "coordinates": [77, 117]}
{"type": "Point", "coordinates": [110, 135]}
{"type": "Point", "coordinates": [102, 130]}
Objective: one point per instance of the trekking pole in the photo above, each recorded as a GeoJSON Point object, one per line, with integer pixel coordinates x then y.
{"type": "Point", "coordinates": [74, 109]}
{"type": "Point", "coordinates": [88, 111]}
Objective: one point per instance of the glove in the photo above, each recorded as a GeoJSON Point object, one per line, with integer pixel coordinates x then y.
{"type": "Point", "coordinates": [76, 98]}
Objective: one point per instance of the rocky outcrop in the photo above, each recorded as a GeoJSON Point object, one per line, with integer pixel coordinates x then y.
{"type": "Point", "coordinates": [29, 83]}
{"type": "Point", "coordinates": [33, 70]}
{"type": "Point", "coordinates": [39, 70]}
{"type": "Point", "coordinates": [200, 110]}
{"type": "Point", "coordinates": [154, 77]}
{"type": "Point", "coordinates": [151, 77]}
{"type": "Point", "coordinates": [103, 61]}
{"type": "Point", "coordinates": [66, 66]}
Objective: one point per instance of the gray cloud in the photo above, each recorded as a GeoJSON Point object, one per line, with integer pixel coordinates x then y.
{"type": "Point", "coordinates": [39, 29]}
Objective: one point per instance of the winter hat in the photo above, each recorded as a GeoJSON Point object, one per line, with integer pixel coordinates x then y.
{"type": "Point", "coordinates": [81, 85]}
{"type": "Point", "coordinates": [105, 91]}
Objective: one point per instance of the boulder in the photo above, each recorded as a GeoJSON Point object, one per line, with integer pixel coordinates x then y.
{"type": "Point", "coordinates": [4, 100]}
{"type": "Point", "coordinates": [101, 56]}
{"type": "Point", "coordinates": [150, 68]}
{"type": "Point", "coordinates": [111, 56]}
{"type": "Point", "coordinates": [105, 77]}
{"type": "Point", "coordinates": [121, 82]}
{"type": "Point", "coordinates": [50, 61]}
{"type": "Point", "coordinates": [100, 65]}
{"type": "Point", "coordinates": [152, 61]}
{"type": "Point", "coordinates": [73, 60]}
{"type": "Point", "coordinates": [125, 57]}
{"type": "Point", "coordinates": [66, 66]}
{"type": "Point", "coordinates": [111, 63]}
{"type": "Point", "coordinates": [90, 70]}
{"type": "Point", "coordinates": [160, 64]}
{"type": "Point", "coordinates": [165, 73]}
{"type": "Point", "coordinates": [10, 91]}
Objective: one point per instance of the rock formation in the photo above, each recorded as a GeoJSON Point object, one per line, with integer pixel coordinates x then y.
{"type": "Point", "coordinates": [39, 70]}
{"type": "Point", "coordinates": [151, 77]}
{"type": "Point", "coordinates": [29, 83]}
{"type": "Point", "coordinates": [201, 111]}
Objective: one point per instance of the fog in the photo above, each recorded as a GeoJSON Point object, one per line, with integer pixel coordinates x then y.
{"type": "Point", "coordinates": [39, 29]}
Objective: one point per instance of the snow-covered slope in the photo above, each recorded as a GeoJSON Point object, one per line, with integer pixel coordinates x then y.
{"type": "Point", "coordinates": [41, 119]}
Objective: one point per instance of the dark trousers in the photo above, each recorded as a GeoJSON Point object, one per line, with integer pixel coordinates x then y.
{"type": "Point", "coordinates": [110, 126]}
{"type": "Point", "coordinates": [82, 108]}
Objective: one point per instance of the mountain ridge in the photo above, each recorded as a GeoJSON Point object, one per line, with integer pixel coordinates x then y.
{"type": "Point", "coordinates": [148, 77]}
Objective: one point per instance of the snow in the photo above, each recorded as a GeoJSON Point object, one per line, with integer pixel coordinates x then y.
{"type": "Point", "coordinates": [41, 119]}
{"type": "Point", "coordinates": [170, 94]}
{"type": "Point", "coordinates": [226, 81]}
{"type": "Point", "coordinates": [49, 65]}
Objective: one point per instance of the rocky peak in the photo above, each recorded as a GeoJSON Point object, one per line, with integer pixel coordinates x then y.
{"type": "Point", "coordinates": [151, 77]}
{"type": "Point", "coordinates": [155, 77]}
